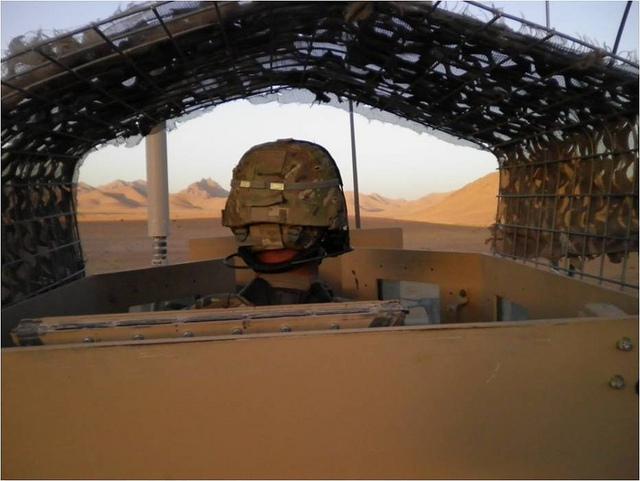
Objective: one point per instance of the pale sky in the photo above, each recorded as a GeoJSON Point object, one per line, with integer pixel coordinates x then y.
{"type": "Point", "coordinates": [392, 160]}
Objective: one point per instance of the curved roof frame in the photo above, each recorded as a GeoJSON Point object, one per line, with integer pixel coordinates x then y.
{"type": "Point", "coordinates": [476, 80]}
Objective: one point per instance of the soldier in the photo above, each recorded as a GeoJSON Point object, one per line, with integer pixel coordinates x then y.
{"type": "Point", "coordinates": [287, 212]}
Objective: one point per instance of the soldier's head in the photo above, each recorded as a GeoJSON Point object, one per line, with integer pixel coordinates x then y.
{"type": "Point", "coordinates": [286, 207]}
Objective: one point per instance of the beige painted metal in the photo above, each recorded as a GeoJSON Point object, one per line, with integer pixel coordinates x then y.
{"type": "Point", "coordinates": [547, 294]}
{"type": "Point", "coordinates": [221, 247]}
{"type": "Point", "coordinates": [498, 400]}
{"type": "Point", "coordinates": [470, 284]}
{"type": "Point", "coordinates": [117, 291]}
{"type": "Point", "coordinates": [208, 322]}
{"type": "Point", "coordinates": [481, 278]}
{"type": "Point", "coordinates": [527, 399]}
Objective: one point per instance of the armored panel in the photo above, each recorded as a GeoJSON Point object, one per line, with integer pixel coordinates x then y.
{"type": "Point", "coordinates": [545, 399]}
{"type": "Point", "coordinates": [118, 292]}
{"type": "Point", "coordinates": [471, 285]}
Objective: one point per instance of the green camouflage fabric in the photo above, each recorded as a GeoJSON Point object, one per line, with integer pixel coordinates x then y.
{"type": "Point", "coordinates": [285, 194]}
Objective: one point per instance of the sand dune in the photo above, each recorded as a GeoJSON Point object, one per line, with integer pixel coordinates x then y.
{"type": "Point", "coordinates": [104, 201]}
{"type": "Point", "coordinates": [128, 201]}
{"type": "Point", "coordinates": [205, 189]}
{"type": "Point", "coordinates": [373, 205]}
{"type": "Point", "coordinates": [203, 198]}
{"type": "Point", "coordinates": [136, 190]}
{"type": "Point", "coordinates": [472, 205]}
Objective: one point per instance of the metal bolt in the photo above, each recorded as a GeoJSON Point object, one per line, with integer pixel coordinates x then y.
{"type": "Point", "coordinates": [187, 334]}
{"type": "Point", "coordinates": [138, 337]}
{"type": "Point", "coordinates": [335, 325]}
{"type": "Point", "coordinates": [285, 329]}
{"type": "Point", "coordinates": [88, 339]}
{"type": "Point", "coordinates": [616, 382]}
{"type": "Point", "coordinates": [236, 331]}
{"type": "Point", "coordinates": [625, 344]}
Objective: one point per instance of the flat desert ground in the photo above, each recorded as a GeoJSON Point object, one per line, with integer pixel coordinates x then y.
{"type": "Point", "coordinates": [120, 245]}
{"type": "Point", "coordinates": [113, 227]}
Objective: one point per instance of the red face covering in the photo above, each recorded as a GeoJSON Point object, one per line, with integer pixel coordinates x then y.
{"type": "Point", "coordinates": [277, 256]}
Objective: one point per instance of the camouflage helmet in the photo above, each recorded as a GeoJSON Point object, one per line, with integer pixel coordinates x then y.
{"type": "Point", "coordinates": [287, 195]}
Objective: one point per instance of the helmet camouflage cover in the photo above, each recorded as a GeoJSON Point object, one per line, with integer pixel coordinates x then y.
{"type": "Point", "coordinates": [288, 194]}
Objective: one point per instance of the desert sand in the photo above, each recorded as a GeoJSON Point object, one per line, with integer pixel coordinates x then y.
{"type": "Point", "coordinates": [119, 245]}
{"type": "Point", "coordinates": [113, 229]}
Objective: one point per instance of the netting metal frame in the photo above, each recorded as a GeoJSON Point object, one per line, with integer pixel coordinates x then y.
{"type": "Point", "coordinates": [473, 79]}
{"type": "Point", "coordinates": [589, 223]}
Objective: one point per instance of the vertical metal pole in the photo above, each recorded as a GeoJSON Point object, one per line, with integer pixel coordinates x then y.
{"type": "Point", "coordinates": [158, 192]}
{"type": "Point", "coordinates": [621, 28]}
{"type": "Point", "coordinates": [548, 15]}
{"type": "Point", "coordinates": [356, 193]}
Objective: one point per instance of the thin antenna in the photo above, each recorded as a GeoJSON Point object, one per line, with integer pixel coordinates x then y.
{"type": "Point", "coordinates": [621, 28]}
{"type": "Point", "coordinates": [356, 194]}
{"type": "Point", "coordinates": [548, 15]}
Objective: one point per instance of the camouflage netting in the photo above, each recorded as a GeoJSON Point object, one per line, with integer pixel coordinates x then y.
{"type": "Point", "coordinates": [573, 197]}
{"type": "Point", "coordinates": [537, 98]}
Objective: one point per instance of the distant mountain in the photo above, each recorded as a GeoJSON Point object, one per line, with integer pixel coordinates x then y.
{"type": "Point", "coordinates": [130, 193]}
{"type": "Point", "coordinates": [372, 204]}
{"type": "Point", "coordinates": [115, 197]}
{"type": "Point", "coordinates": [205, 188]}
{"type": "Point", "coordinates": [84, 187]}
{"type": "Point", "coordinates": [429, 200]}
{"type": "Point", "coordinates": [140, 186]}
{"type": "Point", "coordinates": [474, 204]}
{"type": "Point", "coordinates": [205, 197]}
{"type": "Point", "coordinates": [124, 199]}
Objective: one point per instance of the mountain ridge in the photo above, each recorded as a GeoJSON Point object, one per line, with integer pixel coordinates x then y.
{"type": "Point", "coordinates": [473, 204]}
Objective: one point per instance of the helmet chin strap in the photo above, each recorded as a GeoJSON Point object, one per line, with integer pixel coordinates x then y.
{"type": "Point", "coordinates": [315, 255]}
